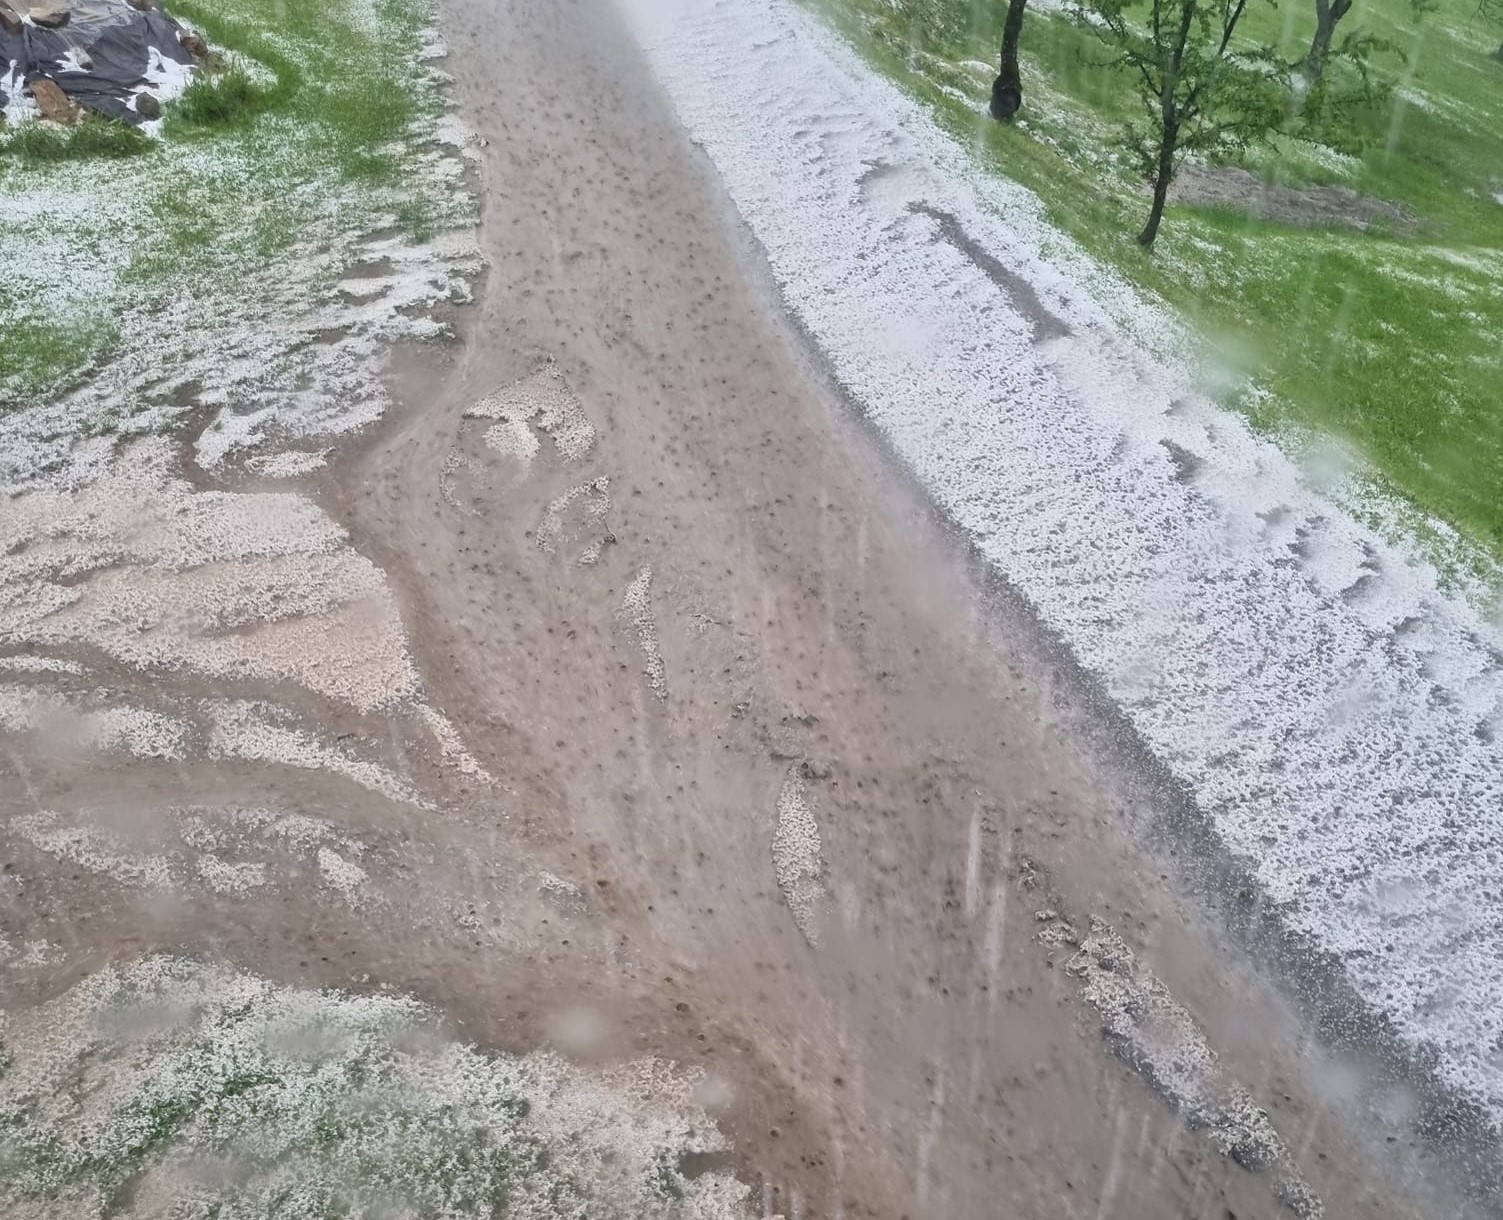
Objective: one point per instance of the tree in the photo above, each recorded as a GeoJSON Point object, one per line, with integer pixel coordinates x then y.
{"type": "Point", "coordinates": [1327, 14]}
{"type": "Point", "coordinates": [1199, 93]}
{"type": "Point", "coordinates": [1489, 10]}
{"type": "Point", "coordinates": [1357, 47]}
{"type": "Point", "coordinates": [1007, 89]}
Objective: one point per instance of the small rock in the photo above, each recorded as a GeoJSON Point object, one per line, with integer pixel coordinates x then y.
{"type": "Point", "coordinates": [144, 6]}
{"type": "Point", "coordinates": [810, 769]}
{"type": "Point", "coordinates": [53, 102]}
{"type": "Point", "coordinates": [50, 16]}
{"type": "Point", "coordinates": [10, 20]}
{"type": "Point", "coordinates": [147, 106]}
{"type": "Point", "coordinates": [193, 44]}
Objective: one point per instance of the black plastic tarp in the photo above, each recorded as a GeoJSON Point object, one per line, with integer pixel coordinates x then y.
{"type": "Point", "coordinates": [105, 55]}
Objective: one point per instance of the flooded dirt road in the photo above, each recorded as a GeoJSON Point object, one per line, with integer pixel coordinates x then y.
{"type": "Point", "coordinates": [643, 705]}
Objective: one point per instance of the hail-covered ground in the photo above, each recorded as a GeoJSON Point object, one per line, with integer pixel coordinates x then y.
{"type": "Point", "coordinates": [251, 266]}
{"type": "Point", "coordinates": [174, 1088]}
{"type": "Point", "coordinates": [592, 695]}
{"type": "Point", "coordinates": [220, 308]}
{"type": "Point", "coordinates": [1375, 222]}
{"type": "Point", "coordinates": [1335, 707]}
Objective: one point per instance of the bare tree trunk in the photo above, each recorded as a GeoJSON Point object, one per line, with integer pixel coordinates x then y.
{"type": "Point", "coordinates": [1007, 89]}
{"type": "Point", "coordinates": [1327, 14]}
{"type": "Point", "coordinates": [1162, 177]}
{"type": "Point", "coordinates": [1169, 120]}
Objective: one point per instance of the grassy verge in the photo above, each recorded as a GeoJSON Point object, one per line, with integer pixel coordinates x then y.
{"type": "Point", "coordinates": [190, 262]}
{"type": "Point", "coordinates": [31, 143]}
{"type": "Point", "coordinates": [170, 1088]}
{"type": "Point", "coordinates": [1392, 345]}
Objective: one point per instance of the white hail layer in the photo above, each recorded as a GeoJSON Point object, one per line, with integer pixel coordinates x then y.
{"type": "Point", "coordinates": [636, 610]}
{"type": "Point", "coordinates": [796, 855]}
{"type": "Point", "coordinates": [1333, 709]}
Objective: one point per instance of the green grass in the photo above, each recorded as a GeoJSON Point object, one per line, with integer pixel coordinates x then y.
{"type": "Point", "coordinates": [1392, 345]}
{"type": "Point", "coordinates": [50, 349]}
{"type": "Point", "coordinates": [31, 143]}
{"type": "Point", "coordinates": [221, 99]}
{"type": "Point", "coordinates": [352, 91]}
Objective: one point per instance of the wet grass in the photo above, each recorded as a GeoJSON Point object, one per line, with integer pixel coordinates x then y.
{"type": "Point", "coordinates": [47, 350]}
{"type": "Point", "coordinates": [1391, 345]}
{"type": "Point", "coordinates": [222, 99]}
{"type": "Point", "coordinates": [350, 87]}
{"type": "Point", "coordinates": [31, 143]}
{"type": "Point", "coordinates": [315, 132]}
{"type": "Point", "coordinates": [190, 1091]}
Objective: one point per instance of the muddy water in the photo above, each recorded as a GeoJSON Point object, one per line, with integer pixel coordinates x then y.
{"type": "Point", "coordinates": [810, 621]}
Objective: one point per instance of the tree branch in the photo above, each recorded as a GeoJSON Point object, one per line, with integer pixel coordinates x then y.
{"type": "Point", "coordinates": [1230, 25]}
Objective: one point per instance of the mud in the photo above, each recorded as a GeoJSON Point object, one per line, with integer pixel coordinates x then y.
{"type": "Point", "coordinates": [761, 786]}
{"type": "Point", "coordinates": [1303, 207]}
